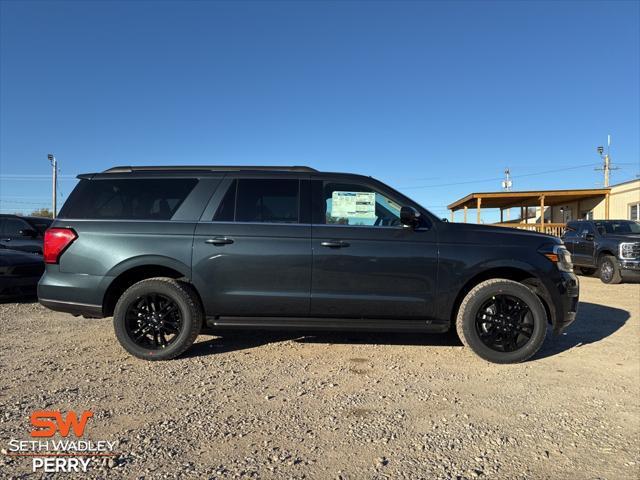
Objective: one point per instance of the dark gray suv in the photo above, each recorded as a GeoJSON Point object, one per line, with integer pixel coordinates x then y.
{"type": "Point", "coordinates": [169, 251]}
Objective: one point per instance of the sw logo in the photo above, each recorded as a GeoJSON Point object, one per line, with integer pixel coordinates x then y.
{"type": "Point", "coordinates": [47, 422]}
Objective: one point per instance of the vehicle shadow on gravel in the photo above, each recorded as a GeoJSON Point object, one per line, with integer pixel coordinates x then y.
{"type": "Point", "coordinates": [595, 322]}
{"type": "Point", "coordinates": [21, 300]}
{"type": "Point", "coordinates": [229, 340]}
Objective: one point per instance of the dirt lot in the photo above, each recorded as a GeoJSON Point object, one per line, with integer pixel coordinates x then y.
{"type": "Point", "coordinates": [336, 406]}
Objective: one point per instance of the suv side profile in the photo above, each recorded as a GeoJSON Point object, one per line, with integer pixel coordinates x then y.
{"type": "Point", "coordinates": [609, 247]}
{"type": "Point", "coordinates": [169, 251]}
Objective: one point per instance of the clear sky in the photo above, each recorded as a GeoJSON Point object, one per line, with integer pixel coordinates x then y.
{"type": "Point", "coordinates": [435, 98]}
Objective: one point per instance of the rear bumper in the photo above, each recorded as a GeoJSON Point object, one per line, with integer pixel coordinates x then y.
{"type": "Point", "coordinates": [77, 294]}
{"type": "Point", "coordinates": [84, 309]}
{"type": "Point", "coordinates": [566, 299]}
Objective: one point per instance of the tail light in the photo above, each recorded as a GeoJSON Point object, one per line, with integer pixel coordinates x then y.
{"type": "Point", "coordinates": [56, 241]}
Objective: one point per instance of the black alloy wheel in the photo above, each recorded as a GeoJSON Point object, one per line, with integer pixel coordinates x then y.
{"type": "Point", "coordinates": [153, 321]}
{"type": "Point", "coordinates": [504, 323]}
{"type": "Point", "coordinates": [158, 318]}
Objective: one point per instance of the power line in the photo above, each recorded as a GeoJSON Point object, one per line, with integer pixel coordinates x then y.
{"type": "Point", "coordinates": [469, 182]}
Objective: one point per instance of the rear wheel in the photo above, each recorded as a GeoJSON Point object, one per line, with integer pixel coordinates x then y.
{"type": "Point", "coordinates": [609, 270]}
{"type": "Point", "coordinates": [502, 321]}
{"type": "Point", "coordinates": [157, 318]}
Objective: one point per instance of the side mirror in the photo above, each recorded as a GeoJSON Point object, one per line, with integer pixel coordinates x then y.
{"type": "Point", "coordinates": [409, 217]}
{"type": "Point", "coordinates": [29, 232]}
{"type": "Point", "coordinates": [589, 237]}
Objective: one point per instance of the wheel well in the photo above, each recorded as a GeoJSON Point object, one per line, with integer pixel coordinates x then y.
{"type": "Point", "coordinates": [509, 273]}
{"type": "Point", "coordinates": [604, 252]}
{"type": "Point", "coordinates": [128, 278]}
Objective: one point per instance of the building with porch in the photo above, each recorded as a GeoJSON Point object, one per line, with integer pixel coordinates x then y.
{"type": "Point", "coordinates": [548, 211]}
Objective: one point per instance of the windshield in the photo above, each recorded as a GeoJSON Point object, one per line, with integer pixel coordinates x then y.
{"type": "Point", "coordinates": [619, 226]}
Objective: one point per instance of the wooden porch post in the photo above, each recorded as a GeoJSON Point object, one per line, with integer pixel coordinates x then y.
{"type": "Point", "coordinates": [606, 206]}
{"type": "Point", "coordinates": [465, 213]}
{"type": "Point", "coordinates": [501, 219]}
{"type": "Point", "coordinates": [451, 215]}
{"type": "Point", "coordinates": [522, 215]}
{"type": "Point", "coordinates": [479, 205]}
{"type": "Point", "coordinates": [578, 214]}
{"type": "Point", "coordinates": [541, 212]}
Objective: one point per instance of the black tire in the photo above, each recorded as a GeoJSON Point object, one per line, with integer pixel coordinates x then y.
{"type": "Point", "coordinates": [476, 330]}
{"type": "Point", "coordinates": [586, 271]}
{"type": "Point", "coordinates": [608, 269]}
{"type": "Point", "coordinates": [142, 328]}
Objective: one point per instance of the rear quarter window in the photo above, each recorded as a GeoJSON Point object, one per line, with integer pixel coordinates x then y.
{"type": "Point", "coordinates": [127, 199]}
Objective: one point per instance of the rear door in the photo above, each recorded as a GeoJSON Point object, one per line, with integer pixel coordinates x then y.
{"type": "Point", "coordinates": [365, 263]}
{"type": "Point", "coordinates": [570, 235]}
{"type": "Point", "coordinates": [252, 247]}
{"type": "Point", "coordinates": [584, 245]}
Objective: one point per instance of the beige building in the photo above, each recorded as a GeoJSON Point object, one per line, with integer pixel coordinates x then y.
{"type": "Point", "coordinates": [621, 201]}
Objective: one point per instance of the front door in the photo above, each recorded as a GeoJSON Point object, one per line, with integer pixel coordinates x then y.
{"type": "Point", "coordinates": [365, 263]}
{"type": "Point", "coordinates": [11, 236]}
{"type": "Point", "coordinates": [252, 255]}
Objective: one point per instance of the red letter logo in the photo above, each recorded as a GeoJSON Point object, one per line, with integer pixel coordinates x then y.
{"type": "Point", "coordinates": [45, 427]}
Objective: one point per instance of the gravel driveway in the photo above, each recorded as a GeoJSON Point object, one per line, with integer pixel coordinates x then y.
{"type": "Point", "coordinates": [336, 405]}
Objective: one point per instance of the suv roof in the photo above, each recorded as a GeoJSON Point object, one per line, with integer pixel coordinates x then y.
{"type": "Point", "coordinates": [209, 168]}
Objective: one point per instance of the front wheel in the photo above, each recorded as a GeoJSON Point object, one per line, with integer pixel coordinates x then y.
{"type": "Point", "coordinates": [609, 270]}
{"type": "Point", "coordinates": [157, 318]}
{"type": "Point", "coordinates": [502, 321]}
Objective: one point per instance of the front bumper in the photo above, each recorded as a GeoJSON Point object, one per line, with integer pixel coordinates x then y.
{"type": "Point", "coordinates": [566, 302]}
{"type": "Point", "coordinates": [630, 269]}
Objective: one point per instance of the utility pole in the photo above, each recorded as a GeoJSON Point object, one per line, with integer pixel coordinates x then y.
{"type": "Point", "coordinates": [54, 165]}
{"type": "Point", "coordinates": [606, 158]}
{"type": "Point", "coordinates": [506, 186]}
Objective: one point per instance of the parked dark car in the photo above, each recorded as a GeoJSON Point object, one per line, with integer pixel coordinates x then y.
{"type": "Point", "coordinates": [609, 247]}
{"type": "Point", "coordinates": [19, 273]}
{"type": "Point", "coordinates": [23, 233]}
{"type": "Point", "coordinates": [170, 250]}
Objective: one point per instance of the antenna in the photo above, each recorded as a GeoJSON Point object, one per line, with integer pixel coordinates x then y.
{"type": "Point", "coordinates": [606, 158]}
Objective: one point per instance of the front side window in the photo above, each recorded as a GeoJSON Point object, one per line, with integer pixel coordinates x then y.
{"type": "Point", "coordinates": [356, 205]}
{"type": "Point", "coordinates": [13, 227]}
{"type": "Point", "coordinates": [267, 200]}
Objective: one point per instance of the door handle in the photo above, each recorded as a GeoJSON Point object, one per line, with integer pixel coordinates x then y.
{"type": "Point", "coordinates": [219, 241]}
{"type": "Point", "coordinates": [334, 244]}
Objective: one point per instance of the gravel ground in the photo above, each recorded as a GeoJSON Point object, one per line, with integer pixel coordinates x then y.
{"type": "Point", "coordinates": [336, 405]}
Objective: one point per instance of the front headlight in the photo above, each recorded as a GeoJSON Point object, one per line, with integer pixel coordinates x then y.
{"type": "Point", "coordinates": [627, 250]}
{"type": "Point", "coordinates": [561, 257]}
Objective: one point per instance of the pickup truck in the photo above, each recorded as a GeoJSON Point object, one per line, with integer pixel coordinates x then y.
{"type": "Point", "coordinates": [609, 247]}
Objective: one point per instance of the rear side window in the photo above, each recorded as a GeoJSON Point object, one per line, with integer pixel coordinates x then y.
{"type": "Point", "coordinates": [128, 199]}
{"type": "Point", "coordinates": [267, 200]}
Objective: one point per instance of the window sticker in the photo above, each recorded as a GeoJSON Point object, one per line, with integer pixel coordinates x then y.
{"type": "Point", "coordinates": [353, 205]}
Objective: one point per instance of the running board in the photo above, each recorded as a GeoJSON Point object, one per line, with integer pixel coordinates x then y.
{"type": "Point", "coordinates": [327, 324]}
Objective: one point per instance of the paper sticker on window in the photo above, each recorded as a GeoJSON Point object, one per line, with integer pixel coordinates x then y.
{"type": "Point", "coordinates": [353, 205]}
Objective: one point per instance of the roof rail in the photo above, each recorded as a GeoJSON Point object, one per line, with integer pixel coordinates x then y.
{"type": "Point", "coordinates": [208, 168]}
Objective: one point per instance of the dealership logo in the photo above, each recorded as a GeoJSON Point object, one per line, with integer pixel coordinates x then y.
{"type": "Point", "coordinates": [49, 422]}
{"type": "Point", "coordinates": [58, 445]}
